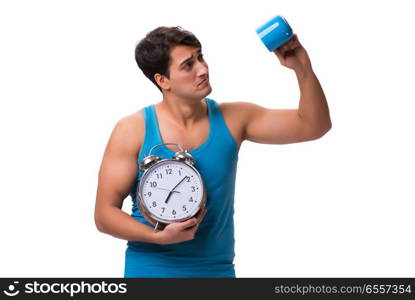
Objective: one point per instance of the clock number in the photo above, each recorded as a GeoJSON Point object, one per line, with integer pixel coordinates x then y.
{"type": "Point", "coordinates": [193, 189]}
{"type": "Point", "coordinates": [191, 199]}
{"type": "Point", "coordinates": [154, 203]}
{"type": "Point", "coordinates": [184, 208]}
{"type": "Point", "coordinates": [163, 208]}
{"type": "Point", "coordinates": [180, 173]}
{"type": "Point", "coordinates": [149, 194]}
{"type": "Point", "coordinates": [153, 184]}
{"type": "Point", "coordinates": [168, 171]}
{"type": "Point", "coordinates": [188, 179]}
{"type": "Point", "coordinates": [173, 212]}
{"type": "Point", "coordinates": [159, 176]}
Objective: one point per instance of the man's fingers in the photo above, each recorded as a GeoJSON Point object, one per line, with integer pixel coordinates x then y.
{"type": "Point", "coordinates": [280, 54]}
{"type": "Point", "coordinates": [188, 223]}
{"type": "Point", "coordinates": [192, 223]}
{"type": "Point", "coordinates": [201, 215]}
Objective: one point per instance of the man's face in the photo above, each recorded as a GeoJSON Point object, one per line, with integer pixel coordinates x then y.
{"type": "Point", "coordinates": [189, 73]}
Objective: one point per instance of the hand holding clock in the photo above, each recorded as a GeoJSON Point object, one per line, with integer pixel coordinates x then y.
{"type": "Point", "coordinates": [180, 232]}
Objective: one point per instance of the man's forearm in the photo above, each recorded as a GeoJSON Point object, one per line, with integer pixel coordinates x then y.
{"type": "Point", "coordinates": [118, 223]}
{"type": "Point", "coordinates": [313, 107]}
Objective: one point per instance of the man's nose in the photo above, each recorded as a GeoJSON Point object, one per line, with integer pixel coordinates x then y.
{"type": "Point", "coordinates": [203, 69]}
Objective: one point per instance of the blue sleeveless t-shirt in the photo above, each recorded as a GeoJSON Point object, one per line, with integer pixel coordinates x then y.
{"type": "Point", "coordinates": [211, 252]}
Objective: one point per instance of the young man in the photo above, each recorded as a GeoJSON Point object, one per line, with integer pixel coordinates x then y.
{"type": "Point", "coordinates": [172, 59]}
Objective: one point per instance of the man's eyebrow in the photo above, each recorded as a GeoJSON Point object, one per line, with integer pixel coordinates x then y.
{"type": "Point", "coordinates": [190, 58]}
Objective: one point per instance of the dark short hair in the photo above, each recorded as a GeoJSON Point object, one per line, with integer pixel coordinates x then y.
{"type": "Point", "coordinates": [152, 53]}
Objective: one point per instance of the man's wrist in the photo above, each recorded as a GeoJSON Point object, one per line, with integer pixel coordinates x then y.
{"type": "Point", "coordinates": [156, 237]}
{"type": "Point", "coordinates": [304, 72]}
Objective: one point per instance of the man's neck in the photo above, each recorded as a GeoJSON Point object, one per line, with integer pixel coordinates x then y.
{"type": "Point", "coordinates": [183, 112]}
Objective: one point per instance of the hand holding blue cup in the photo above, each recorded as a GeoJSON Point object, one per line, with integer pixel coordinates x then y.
{"type": "Point", "coordinates": [275, 33]}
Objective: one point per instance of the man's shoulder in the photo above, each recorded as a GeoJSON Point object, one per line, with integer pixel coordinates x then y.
{"type": "Point", "coordinates": [234, 105]}
{"type": "Point", "coordinates": [236, 115]}
{"type": "Point", "coordinates": [131, 123]}
{"type": "Point", "coordinates": [235, 109]}
{"type": "Point", "coordinates": [129, 131]}
{"type": "Point", "coordinates": [133, 119]}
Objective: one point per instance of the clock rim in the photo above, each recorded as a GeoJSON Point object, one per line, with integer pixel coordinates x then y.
{"type": "Point", "coordinates": [148, 214]}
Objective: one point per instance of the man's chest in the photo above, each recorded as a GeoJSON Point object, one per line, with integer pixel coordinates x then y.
{"type": "Point", "coordinates": [194, 137]}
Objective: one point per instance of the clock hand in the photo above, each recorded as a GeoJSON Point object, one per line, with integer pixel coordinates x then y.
{"type": "Point", "coordinates": [171, 192]}
{"type": "Point", "coordinates": [167, 190]}
{"type": "Point", "coordinates": [168, 197]}
{"type": "Point", "coordinates": [179, 183]}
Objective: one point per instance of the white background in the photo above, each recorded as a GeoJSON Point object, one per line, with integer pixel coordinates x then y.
{"type": "Point", "coordinates": [342, 205]}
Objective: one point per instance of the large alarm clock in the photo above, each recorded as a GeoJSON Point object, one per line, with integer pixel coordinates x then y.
{"type": "Point", "coordinates": [170, 190]}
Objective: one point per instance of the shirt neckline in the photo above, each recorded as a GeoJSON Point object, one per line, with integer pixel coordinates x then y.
{"type": "Point", "coordinates": [196, 150]}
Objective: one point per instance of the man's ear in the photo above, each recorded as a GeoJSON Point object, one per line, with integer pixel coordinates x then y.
{"type": "Point", "coordinates": [162, 81]}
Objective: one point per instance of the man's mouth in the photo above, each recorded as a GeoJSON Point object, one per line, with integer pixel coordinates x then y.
{"type": "Point", "coordinates": [203, 82]}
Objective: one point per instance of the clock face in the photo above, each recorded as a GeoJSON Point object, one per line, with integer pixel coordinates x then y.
{"type": "Point", "coordinates": [171, 191]}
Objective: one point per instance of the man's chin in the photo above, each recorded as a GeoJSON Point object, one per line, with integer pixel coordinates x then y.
{"type": "Point", "coordinates": [208, 91]}
{"type": "Point", "coordinates": [202, 95]}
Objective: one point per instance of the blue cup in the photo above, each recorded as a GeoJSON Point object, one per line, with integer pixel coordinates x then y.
{"type": "Point", "coordinates": [275, 33]}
